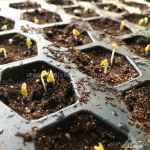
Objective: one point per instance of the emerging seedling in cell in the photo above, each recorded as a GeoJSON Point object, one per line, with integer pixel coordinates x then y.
{"type": "Point", "coordinates": [50, 78]}
{"type": "Point", "coordinates": [114, 47]}
{"type": "Point", "coordinates": [2, 50]}
{"type": "Point", "coordinates": [100, 147]}
{"type": "Point", "coordinates": [10, 41]}
{"type": "Point", "coordinates": [104, 63]}
{"type": "Point", "coordinates": [141, 21]}
{"type": "Point", "coordinates": [36, 20]}
{"type": "Point", "coordinates": [44, 73]}
{"type": "Point", "coordinates": [28, 42]}
{"type": "Point", "coordinates": [86, 10]}
{"type": "Point", "coordinates": [146, 20]}
{"type": "Point", "coordinates": [4, 27]}
{"type": "Point", "coordinates": [106, 8]}
{"type": "Point", "coordinates": [122, 25]}
{"type": "Point", "coordinates": [75, 33]}
{"type": "Point", "coordinates": [119, 7]}
{"type": "Point", "coordinates": [147, 48]}
{"type": "Point", "coordinates": [24, 90]}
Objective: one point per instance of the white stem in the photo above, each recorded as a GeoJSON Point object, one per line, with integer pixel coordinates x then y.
{"type": "Point", "coordinates": [43, 83]}
{"type": "Point", "coordinates": [28, 49]}
{"type": "Point", "coordinates": [112, 56]}
{"type": "Point", "coordinates": [5, 53]}
{"type": "Point", "coordinates": [105, 69]}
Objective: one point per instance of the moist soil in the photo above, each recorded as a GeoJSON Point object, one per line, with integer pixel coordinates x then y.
{"type": "Point", "coordinates": [62, 36]}
{"type": "Point", "coordinates": [38, 103]}
{"type": "Point", "coordinates": [107, 26]}
{"type": "Point", "coordinates": [4, 21]}
{"type": "Point", "coordinates": [137, 46]}
{"type": "Point", "coordinates": [112, 8]}
{"type": "Point", "coordinates": [88, 62]}
{"type": "Point", "coordinates": [134, 18]}
{"type": "Point", "coordinates": [137, 101]}
{"type": "Point", "coordinates": [44, 16]}
{"type": "Point", "coordinates": [16, 51]}
{"type": "Point", "coordinates": [60, 2]}
{"type": "Point", "coordinates": [25, 5]}
{"type": "Point", "coordinates": [79, 132]}
{"type": "Point", "coordinates": [81, 12]}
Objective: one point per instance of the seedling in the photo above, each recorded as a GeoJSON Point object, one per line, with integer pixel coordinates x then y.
{"type": "Point", "coordinates": [119, 7]}
{"type": "Point", "coordinates": [28, 42]}
{"type": "Point", "coordinates": [100, 147]}
{"type": "Point", "coordinates": [4, 27]}
{"type": "Point", "coordinates": [44, 73]}
{"type": "Point", "coordinates": [147, 48]}
{"type": "Point", "coordinates": [75, 33]}
{"type": "Point", "coordinates": [86, 10]}
{"type": "Point", "coordinates": [24, 90]}
{"type": "Point", "coordinates": [36, 20]}
{"type": "Point", "coordinates": [122, 25]}
{"type": "Point", "coordinates": [114, 47]}
{"type": "Point", "coordinates": [2, 50]}
{"type": "Point", "coordinates": [146, 20]}
{"type": "Point", "coordinates": [50, 77]}
{"type": "Point", "coordinates": [10, 41]}
{"type": "Point", "coordinates": [141, 21]}
{"type": "Point", "coordinates": [104, 63]}
{"type": "Point", "coordinates": [106, 8]}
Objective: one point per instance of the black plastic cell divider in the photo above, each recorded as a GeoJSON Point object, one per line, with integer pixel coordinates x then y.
{"type": "Point", "coordinates": [103, 109]}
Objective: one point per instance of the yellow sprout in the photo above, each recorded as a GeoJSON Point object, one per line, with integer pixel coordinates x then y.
{"type": "Point", "coordinates": [122, 25]}
{"type": "Point", "coordinates": [141, 21]}
{"type": "Point", "coordinates": [104, 63]}
{"type": "Point", "coordinates": [76, 32]}
{"type": "Point", "coordinates": [2, 50]}
{"type": "Point", "coordinates": [114, 46]}
{"type": "Point", "coordinates": [147, 48]}
{"type": "Point", "coordinates": [44, 73]}
{"type": "Point", "coordinates": [50, 77]}
{"type": "Point", "coordinates": [146, 20]}
{"type": "Point", "coordinates": [100, 147]}
{"type": "Point", "coordinates": [24, 89]}
{"type": "Point", "coordinates": [119, 7]}
{"type": "Point", "coordinates": [85, 10]}
{"type": "Point", "coordinates": [106, 8]}
{"type": "Point", "coordinates": [4, 27]}
{"type": "Point", "coordinates": [28, 41]}
{"type": "Point", "coordinates": [36, 20]}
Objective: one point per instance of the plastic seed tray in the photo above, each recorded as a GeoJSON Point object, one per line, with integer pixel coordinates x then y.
{"type": "Point", "coordinates": [118, 100]}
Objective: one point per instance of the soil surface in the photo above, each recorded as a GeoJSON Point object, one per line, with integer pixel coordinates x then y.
{"type": "Point", "coordinates": [62, 36]}
{"type": "Point", "coordinates": [137, 46]}
{"type": "Point", "coordinates": [4, 21]}
{"type": "Point", "coordinates": [25, 5]}
{"type": "Point", "coordinates": [107, 26]}
{"type": "Point", "coordinates": [137, 101]}
{"type": "Point", "coordinates": [88, 62]}
{"type": "Point", "coordinates": [81, 12]}
{"type": "Point", "coordinates": [112, 8]}
{"type": "Point", "coordinates": [44, 16]}
{"type": "Point", "coordinates": [80, 132]}
{"type": "Point", "coordinates": [134, 18]}
{"type": "Point", "coordinates": [91, 0]}
{"type": "Point", "coordinates": [60, 2]}
{"type": "Point", "coordinates": [38, 103]}
{"type": "Point", "coordinates": [16, 51]}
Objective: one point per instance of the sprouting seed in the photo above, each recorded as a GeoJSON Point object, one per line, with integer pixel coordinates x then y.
{"type": "Point", "coordinates": [100, 147]}
{"type": "Point", "coordinates": [50, 77]}
{"type": "Point", "coordinates": [2, 50]}
{"type": "Point", "coordinates": [75, 33]}
{"type": "Point", "coordinates": [147, 48]}
{"type": "Point", "coordinates": [44, 73]}
{"type": "Point", "coordinates": [141, 21]}
{"type": "Point", "coordinates": [122, 25]}
{"type": "Point", "coordinates": [104, 63]}
{"type": "Point", "coordinates": [36, 20]}
{"type": "Point", "coordinates": [4, 27]}
{"type": "Point", "coordinates": [146, 20]}
{"type": "Point", "coordinates": [114, 47]}
{"type": "Point", "coordinates": [24, 90]}
{"type": "Point", "coordinates": [28, 42]}
{"type": "Point", "coordinates": [106, 8]}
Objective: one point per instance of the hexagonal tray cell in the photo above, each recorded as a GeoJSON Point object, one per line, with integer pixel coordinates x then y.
{"type": "Point", "coordinates": [137, 101]}
{"type": "Point", "coordinates": [16, 51]}
{"type": "Point", "coordinates": [137, 45]}
{"type": "Point", "coordinates": [79, 131]}
{"type": "Point", "coordinates": [112, 8]}
{"type": "Point", "coordinates": [107, 26]}
{"type": "Point", "coordinates": [88, 62]}
{"type": "Point", "coordinates": [38, 103]}
{"type": "Point", "coordinates": [25, 5]}
{"type": "Point", "coordinates": [62, 36]}
{"type": "Point", "coordinates": [44, 16]}
{"type": "Point", "coordinates": [5, 21]}
{"type": "Point", "coordinates": [60, 2]}
{"type": "Point", "coordinates": [81, 12]}
{"type": "Point", "coordinates": [135, 18]}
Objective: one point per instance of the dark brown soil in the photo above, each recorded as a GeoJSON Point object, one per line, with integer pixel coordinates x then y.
{"type": "Point", "coordinates": [91, 0]}
{"type": "Point", "coordinates": [62, 36]}
{"type": "Point", "coordinates": [107, 26]}
{"type": "Point", "coordinates": [4, 21]}
{"type": "Point", "coordinates": [16, 51]}
{"type": "Point", "coordinates": [89, 61]}
{"type": "Point", "coordinates": [38, 103]}
{"type": "Point", "coordinates": [112, 8]}
{"type": "Point", "coordinates": [44, 16]}
{"type": "Point", "coordinates": [60, 2]}
{"type": "Point", "coordinates": [25, 5]}
{"type": "Point", "coordinates": [137, 46]}
{"type": "Point", "coordinates": [89, 13]}
{"type": "Point", "coordinates": [137, 101]}
{"type": "Point", "coordinates": [134, 18]}
{"type": "Point", "coordinates": [80, 132]}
